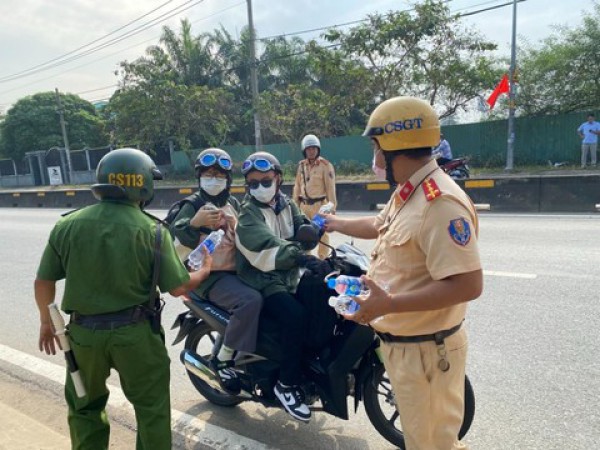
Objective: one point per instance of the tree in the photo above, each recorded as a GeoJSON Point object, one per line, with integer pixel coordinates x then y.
{"type": "Point", "coordinates": [33, 124]}
{"type": "Point", "coordinates": [151, 115]}
{"type": "Point", "coordinates": [561, 75]}
{"type": "Point", "coordinates": [425, 53]}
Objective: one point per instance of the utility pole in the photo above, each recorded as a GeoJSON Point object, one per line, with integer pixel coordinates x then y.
{"type": "Point", "coordinates": [60, 111]}
{"type": "Point", "coordinates": [253, 78]}
{"type": "Point", "coordinates": [511, 95]}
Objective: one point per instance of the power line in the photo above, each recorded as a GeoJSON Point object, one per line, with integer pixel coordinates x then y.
{"type": "Point", "coordinates": [288, 34]}
{"type": "Point", "coordinates": [89, 43]}
{"type": "Point", "coordinates": [115, 53]}
{"type": "Point", "coordinates": [173, 12]}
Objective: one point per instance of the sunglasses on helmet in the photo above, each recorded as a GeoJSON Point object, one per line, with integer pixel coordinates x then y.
{"type": "Point", "coordinates": [262, 165]}
{"type": "Point", "coordinates": [210, 159]}
{"type": "Point", "coordinates": [266, 183]}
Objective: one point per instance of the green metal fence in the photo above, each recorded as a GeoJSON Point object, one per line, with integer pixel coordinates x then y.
{"type": "Point", "coordinates": [538, 140]}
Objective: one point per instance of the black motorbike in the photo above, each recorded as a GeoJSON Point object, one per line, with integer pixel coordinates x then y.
{"type": "Point", "coordinates": [348, 365]}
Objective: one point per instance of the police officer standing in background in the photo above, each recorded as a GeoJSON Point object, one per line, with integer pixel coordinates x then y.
{"type": "Point", "coordinates": [106, 254]}
{"type": "Point", "coordinates": [315, 183]}
{"type": "Point", "coordinates": [425, 268]}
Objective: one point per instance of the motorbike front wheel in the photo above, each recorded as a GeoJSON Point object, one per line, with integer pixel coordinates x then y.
{"type": "Point", "coordinates": [380, 406]}
{"type": "Point", "coordinates": [200, 341]}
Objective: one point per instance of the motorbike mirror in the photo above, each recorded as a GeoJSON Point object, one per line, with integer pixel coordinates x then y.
{"type": "Point", "coordinates": [308, 236]}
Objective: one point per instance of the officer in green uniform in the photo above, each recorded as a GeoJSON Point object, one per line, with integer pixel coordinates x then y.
{"type": "Point", "coordinates": [105, 253]}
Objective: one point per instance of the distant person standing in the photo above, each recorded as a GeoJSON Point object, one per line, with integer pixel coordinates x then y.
{"type": "Point", "coordinates": [315, 183]}
{"type": "Point", "coordinates": [442, 153]}
{"type": "Point", "coordinates": [588, 131]}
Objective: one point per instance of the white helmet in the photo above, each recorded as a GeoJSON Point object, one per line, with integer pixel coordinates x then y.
{"type": "Point", "coordinates": [310, 140]}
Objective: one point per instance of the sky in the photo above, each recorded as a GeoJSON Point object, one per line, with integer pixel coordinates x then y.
{"type": "Point", "coordinates": [39, 33]}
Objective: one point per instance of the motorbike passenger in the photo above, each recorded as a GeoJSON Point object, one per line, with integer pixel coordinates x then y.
{"type": "Point", "coordinates": [213, 169]}
{"type": "Point", "coordinates": [269, 261]}
{"type": "Point", "coordinates": [427, 253]}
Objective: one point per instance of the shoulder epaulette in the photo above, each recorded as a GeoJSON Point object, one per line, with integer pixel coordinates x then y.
{"type": "Point", "coordinates": [431, 189]}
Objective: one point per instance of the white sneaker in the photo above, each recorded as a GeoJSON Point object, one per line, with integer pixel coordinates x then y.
{"type": "Point", "coordinates": [292, 399]}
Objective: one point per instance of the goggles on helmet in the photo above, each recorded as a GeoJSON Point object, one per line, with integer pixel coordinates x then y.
{"type": "Point", "coordinates": [210, 159]}
{"type": "Point", "coordinates": [260, 164]}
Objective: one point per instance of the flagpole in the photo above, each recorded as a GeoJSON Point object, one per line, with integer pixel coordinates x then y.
{"type": "Point", "coordinates": [511, 94]}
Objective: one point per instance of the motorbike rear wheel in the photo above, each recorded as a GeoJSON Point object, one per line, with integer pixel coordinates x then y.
{"type": "Point", "coordinates": [380, 406]}
{"type": "Point", "coordinates": [201, 338]}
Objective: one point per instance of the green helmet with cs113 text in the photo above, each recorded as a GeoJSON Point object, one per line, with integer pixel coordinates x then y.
{"type": "Point", "coordinates": [404, 123]}
{"type": "Point", "coordinates": [126, 174]}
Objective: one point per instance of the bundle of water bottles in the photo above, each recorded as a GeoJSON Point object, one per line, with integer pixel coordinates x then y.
{"type": "Point", "coordinates": [347, 287]}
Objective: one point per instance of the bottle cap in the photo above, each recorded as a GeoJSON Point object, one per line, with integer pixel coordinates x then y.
{"type": "Point", "coordinates": [331, 283]}
{"type": "Point", "coordinates": [333, 301]}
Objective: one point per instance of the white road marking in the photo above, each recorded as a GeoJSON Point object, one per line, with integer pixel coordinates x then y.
{"type": "Point", "coordinates": [193, 428]}
{"type": "Point", "coordinates": [496, 273]}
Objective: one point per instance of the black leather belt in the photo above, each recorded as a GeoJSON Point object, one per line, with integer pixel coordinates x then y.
{"type": "Point", "coordinates": [311, 201]}
{"type": "Point", "coordinates": [109, 321]}
{"type": "Point", "coordinates": [437, 337]}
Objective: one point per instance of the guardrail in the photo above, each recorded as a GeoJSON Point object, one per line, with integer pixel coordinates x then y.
{"type": "Point", "coordinates": [502, 194]}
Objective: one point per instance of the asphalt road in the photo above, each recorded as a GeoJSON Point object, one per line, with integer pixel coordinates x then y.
{"type": "Point", "coordinates": [533, 341]}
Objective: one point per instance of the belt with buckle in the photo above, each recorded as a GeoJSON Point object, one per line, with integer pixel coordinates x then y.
{"type": "Point", "coordinates": [109, 321]}
{"type": "Point", "coordinates": [437, 337]}
{"type": "Point", "coordinates": [311, 201]}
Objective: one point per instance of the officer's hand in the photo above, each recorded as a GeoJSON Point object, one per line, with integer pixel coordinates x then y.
{"type": "Point", "coordinates": [331, 222]}
{"type": "Point", "coordinates": [48, 341]}
{"type": "Point", "coordinates": [376, 303]}
{"type": "Point", "coordinates": [206, 218]}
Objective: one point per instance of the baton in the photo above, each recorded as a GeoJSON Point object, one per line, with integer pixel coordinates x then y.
{"type": "Point", "coordinates": [60, 331]}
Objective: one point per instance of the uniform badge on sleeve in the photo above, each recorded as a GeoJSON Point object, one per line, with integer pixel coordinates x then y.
{"type": "Point", "coordinates": [460, 231]}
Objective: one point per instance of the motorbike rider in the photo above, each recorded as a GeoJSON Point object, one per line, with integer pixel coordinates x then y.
{"type": "Point", "coordinates": [315, 184]}
{"type": "Point", "coordinates": [213, 169]}
{"type": "Point", "coordinates": [106, 253]}
{"type": "Point", "coordinates": [426, 252]}
{"type": "Point", "coordinates": [269, 261]}
{"type": "Point", "coordinates": [443, 152]}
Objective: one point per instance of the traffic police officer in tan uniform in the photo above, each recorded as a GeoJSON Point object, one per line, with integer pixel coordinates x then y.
{"type": "Point", "coordinates": [315, 183]}
{"type": "Point", "coordinates": [425, 268]}
{"type": "Point", "coordinates": [106, 254]}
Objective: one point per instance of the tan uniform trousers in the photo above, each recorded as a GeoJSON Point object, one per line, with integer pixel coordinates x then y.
{"type": "Point", "coordinates": [430, 402]}
{"type": "Point", "coordinates": [310, 211]}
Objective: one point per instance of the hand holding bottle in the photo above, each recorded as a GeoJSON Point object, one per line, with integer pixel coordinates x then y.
{"type": "Point", "coordinates": [197, 257]}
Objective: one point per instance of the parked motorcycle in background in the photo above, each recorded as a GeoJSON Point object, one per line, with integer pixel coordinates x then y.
{"type": "Point", "coordinates": [347, 366]}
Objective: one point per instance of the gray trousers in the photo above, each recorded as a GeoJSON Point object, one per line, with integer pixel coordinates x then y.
{"type": "Point", "coordinates": [244, 305]}
{"type": "Point", "coordinates": [591, 149]}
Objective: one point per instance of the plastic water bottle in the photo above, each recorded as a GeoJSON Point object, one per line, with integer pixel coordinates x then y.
{"type": "Point", "coordinates": [346, 285]}
{"type": "Point", "coordinates": [196, 258]}
{"type": "Point", "coordinates": [327, 208]}
{"type": "Point", "coordinates": [318, 219]}
{"type": "Point", "coordinates": [344, 304]}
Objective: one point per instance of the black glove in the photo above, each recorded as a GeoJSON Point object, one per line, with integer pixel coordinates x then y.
{"type": "Point", "coordinates": [318, 267]}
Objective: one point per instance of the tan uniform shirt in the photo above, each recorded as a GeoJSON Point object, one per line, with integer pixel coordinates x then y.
{"type": "Point", "coordinates": [427, 231]}
{"type": "Point", "coordinates": [315, 180]}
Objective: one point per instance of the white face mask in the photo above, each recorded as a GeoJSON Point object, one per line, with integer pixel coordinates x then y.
{"type": "Point", "coordinates": [378, 171]}
{"type": "Point", "coordinates": [213, 185]}
{"type": "Point", "coordinates": [263, 194]}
